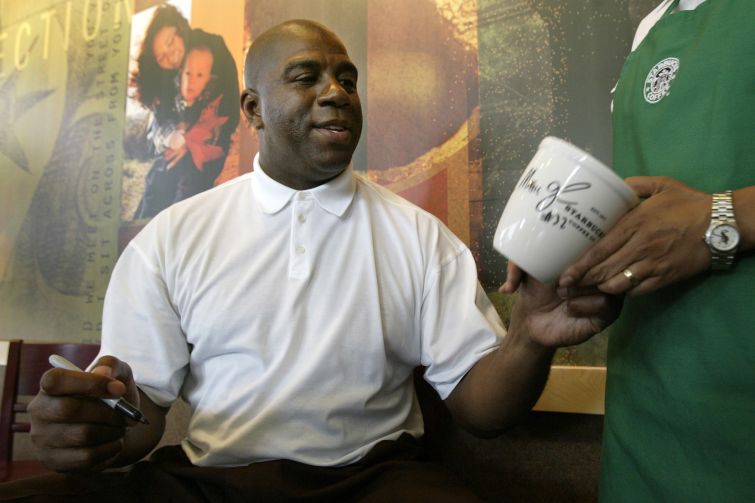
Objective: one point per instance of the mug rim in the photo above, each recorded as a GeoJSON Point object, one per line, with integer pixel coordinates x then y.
{"type": "Point", "coordinates": [601, 170]}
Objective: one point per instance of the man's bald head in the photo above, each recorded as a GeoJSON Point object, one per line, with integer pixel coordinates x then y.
{"type": "Point", "coordinates": [262, 51]}
{"type": "Point", "coordinates": [301, 97]}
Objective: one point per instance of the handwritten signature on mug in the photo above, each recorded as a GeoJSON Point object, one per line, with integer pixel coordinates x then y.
{"type": "Point", "coordinates": [554, 190]}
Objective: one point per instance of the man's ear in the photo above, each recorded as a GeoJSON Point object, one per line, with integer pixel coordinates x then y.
{"type": "Point", "coordinates": [250, 106]}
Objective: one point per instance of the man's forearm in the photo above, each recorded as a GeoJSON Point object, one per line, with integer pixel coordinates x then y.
{"type": "Point", "coordinates": [744, 212]}
{"type": "Point", "coordinates": [503, 386]}
{"type": "Point", "coordinates": [506, 383]}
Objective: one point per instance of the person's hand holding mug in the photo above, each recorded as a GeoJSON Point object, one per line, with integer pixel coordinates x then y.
{"type": "Point", "coordinates": [565, 201]}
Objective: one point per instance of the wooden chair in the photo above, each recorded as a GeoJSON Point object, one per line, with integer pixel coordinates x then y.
{"type": "Point", "coordinates": [25, 366]}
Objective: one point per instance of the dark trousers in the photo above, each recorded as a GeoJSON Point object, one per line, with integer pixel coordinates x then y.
{"type": "Point", "coordinates": [393, 471]}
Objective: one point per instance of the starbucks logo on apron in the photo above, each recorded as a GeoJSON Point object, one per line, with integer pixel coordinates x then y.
{"type": "Point", "coordinates": [658, 81]}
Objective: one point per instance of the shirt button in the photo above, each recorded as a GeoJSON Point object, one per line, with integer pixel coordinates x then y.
{"type": "Point", "coordinates": [300, 250]}
{"type": "Point", "coordinates": [303, 195]}
{"type": "Point", "coordinates": [302, 218]}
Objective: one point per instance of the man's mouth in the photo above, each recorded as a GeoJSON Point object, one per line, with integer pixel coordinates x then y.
{"type": "Point", "coordinates": [333, 125]}
{"type": "Point", "coordinates": [335, 131]}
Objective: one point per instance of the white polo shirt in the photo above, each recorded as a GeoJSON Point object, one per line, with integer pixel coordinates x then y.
{"type": "Point", "coordinates": [291, 321]}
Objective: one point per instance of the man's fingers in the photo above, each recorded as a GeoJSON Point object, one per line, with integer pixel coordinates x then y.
{"type": "Point", "coordinates": [604, 307]}
{"type": "Point", "coordinates": [89, 458]}
{"type": "Point", "coordinates": [589, 302]}
{"type": "Point", "coordinates": [597, 254]}
{"type": "Point", "coordinates": [97, 383]}
{"type": "Point", "coordinates": [85, 410]}
{"type": "Point", "coordinates": [61, 382]}
{"type": "Point", "coordinates": [115, 388]}
{"type": "Point", "coordinates": [514, 277]}
{"type": "Point", "coordinates": [123, 385]}
{"type": "Point", "coordinates": [80, 435]}
{"type": "Point", "coordinates": [117, 369]}
{"type": "Point", "coordinates": [578, 291]}
{"type": "Point", "coordinates": [646, 186]}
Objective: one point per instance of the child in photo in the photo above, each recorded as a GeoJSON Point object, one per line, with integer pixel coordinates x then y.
{"type": "Point", "coordinates": [191, 145]}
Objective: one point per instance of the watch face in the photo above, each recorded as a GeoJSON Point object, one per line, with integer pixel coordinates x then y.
{"type": "Point", "coordinates": [724, 237]}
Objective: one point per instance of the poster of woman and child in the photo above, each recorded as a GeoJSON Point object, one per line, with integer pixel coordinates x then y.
{"type": "Point", "coordinates": [181, 113]}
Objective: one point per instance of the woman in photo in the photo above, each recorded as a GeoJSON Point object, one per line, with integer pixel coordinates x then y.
{"type": "Point", "coordinates": [157, 81]}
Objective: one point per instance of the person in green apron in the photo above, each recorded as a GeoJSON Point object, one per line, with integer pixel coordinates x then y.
{"type": "Point", "coordinates": [680, 396]}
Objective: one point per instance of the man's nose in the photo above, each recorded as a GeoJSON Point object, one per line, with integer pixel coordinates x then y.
{"type": "Point", "coordinates": [333, 94]}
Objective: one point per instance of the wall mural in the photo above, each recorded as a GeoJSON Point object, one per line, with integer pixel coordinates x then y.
{"type": "Point", "coordinates": [456, 93]}
{"type": "Point", "coordinates": [182, 110]}
{"type": "Point", "coordinates": [62, 96]}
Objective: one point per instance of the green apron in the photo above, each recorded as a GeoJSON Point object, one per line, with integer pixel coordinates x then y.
{"type": "Point", "coordinates": [680, 396]}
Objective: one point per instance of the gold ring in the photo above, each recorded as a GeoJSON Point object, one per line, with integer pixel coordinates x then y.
{"type": "Point", "coordinates": [634, 280]}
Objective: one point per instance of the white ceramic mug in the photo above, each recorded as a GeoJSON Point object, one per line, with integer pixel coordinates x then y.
{"type": "Point", "coordinates": [564, 201]}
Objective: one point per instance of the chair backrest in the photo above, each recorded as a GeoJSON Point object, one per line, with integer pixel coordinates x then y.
{"type": "Point", "coordinates": [24, 368]}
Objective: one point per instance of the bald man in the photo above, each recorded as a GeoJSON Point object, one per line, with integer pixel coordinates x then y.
{"type": "Point", "coordinates": [289, 308]}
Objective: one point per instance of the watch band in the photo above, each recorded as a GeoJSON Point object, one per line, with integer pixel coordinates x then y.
{"type": "Point", "coordinates": [722, 212]}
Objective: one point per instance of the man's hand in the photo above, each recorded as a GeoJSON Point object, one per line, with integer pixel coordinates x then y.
{"type": "Point", "coordinates": [660, 242]}
{"type": "Point", "coordinates": [72, 429]}
{"type": "Point", "coordinates": [563, 317]}
{"type": "Point", "coordinates": [506, 383]}
{"type": "Point", "coordinates": [553, 318]}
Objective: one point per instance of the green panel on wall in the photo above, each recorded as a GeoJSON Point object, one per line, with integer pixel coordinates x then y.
{"type": "Point", "coordinates": [547, 67]}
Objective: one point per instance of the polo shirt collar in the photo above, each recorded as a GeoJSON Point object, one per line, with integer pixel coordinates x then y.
{"type": "Point", "coordinates": [334, 196]}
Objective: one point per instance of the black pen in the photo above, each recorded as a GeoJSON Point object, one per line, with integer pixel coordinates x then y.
{"type": "Point", "coordinates": [119, 404]}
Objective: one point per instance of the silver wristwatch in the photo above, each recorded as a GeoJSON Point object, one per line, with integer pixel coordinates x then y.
{"type": "Point", "coordinates": [722, 236]}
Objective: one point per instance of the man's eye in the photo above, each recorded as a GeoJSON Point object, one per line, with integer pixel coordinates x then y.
{"type": "Point", "coordinates": [306, 78]}
{"type": "Point", "coordinates": [349, 84]}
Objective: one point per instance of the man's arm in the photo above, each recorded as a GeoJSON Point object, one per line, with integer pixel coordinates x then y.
{"type": "Point", "coordinates": [744, 209]}
{"type": "Point", "coordinates": [74, 431]}
{"type": "Point", "coordinates": [507, 382]}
